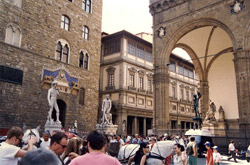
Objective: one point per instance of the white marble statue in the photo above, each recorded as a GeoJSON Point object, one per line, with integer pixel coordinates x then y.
{"type": "Point", "coordinates": [106, 107]}
{"type": "Point", "coordinates": [52, 95]}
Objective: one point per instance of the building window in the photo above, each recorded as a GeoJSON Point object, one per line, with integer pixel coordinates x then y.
{"type": "Point", "coordinates": [180, 69]}
{"type": "Point", "coordinates": [13, 35]}
{"type": "Point", "coordinates": [182, 94]}
{"type": "Point", "coordinates": [85, 33]}
{"type": "Point", "coordinates": [187, 95]}
{"type": "Point", "coordinates": [81, 60]}
{"type": "Point", "coordinates": [59, 51]}
{"type": "Point", "coordinates": [141, 83]}
{"type": "Point", "coordinates": [140, 52]}
{"type": "Point", "coordinates": [65, 54]}
{"type": "Point", "coordinates": [65, 22]}
{"type": "Point", "coordinates": [148, 55]}
{"type": "Point", "coordinates": [86, 5]}
{"type": "Point", "coordinates": [111, 47]}
{"type": "Point", "coordinates": [82, 96]}
{"type": "Point", "coordinates": [86, 61]}
{"type": "Point", "coordinates": [172, 66]}
{"type": "Point", "coordinates": [150, 85]}
{"type": "Point", "coordinates": [174, 107]}
{"type": "Point", "coordinates": [131, 48]}
{"type": "Point", "coordinates": [62, 52]}
{"type": "Point", "coordinates": [182, 109]}
{"type": "Point", "coordinates": [111, 80]}
{"type": "Point", "coordinates": [173, 92]}
{"type": "Point", "coordinates": [132, 80]}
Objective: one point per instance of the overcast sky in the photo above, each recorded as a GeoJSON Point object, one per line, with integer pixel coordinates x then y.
{"type": "Point", "coordinates": [130, 15]}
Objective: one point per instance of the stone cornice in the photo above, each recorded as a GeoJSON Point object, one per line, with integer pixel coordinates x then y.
{"type": "Point", "coordinates": [157, 6]}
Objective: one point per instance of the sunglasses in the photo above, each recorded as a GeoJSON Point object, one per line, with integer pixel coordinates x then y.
{"type": "Point", "coordinates": [63, 146]}
{"type": "Point", "coordinates": [147, 147]}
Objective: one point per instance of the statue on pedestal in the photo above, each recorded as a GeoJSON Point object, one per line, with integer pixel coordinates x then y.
{"type": "Point", "coordinates": [52, 95]}
{"type": "Point", "coordinates": [196, 104]}
{"type": "Point", "coordinates": [210, 115]}
{"type": "Point", "coordinates": [106, 107]}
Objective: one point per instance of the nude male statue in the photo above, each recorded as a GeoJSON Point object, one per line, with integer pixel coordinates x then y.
{"type": "Point", "coordinates": [52, 94]}
{"type": "Point", "coordinates": [106, 107]}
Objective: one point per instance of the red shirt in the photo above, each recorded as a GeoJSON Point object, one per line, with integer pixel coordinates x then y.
{"type": "Point", "coordinates": [210, 156]}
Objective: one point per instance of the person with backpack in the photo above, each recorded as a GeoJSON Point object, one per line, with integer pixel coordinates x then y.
{"type": "Point", "coordinates": [192, 151]}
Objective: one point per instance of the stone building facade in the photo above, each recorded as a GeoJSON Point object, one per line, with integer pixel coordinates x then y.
{"type": "Point", "coordinates": [45, 41]}
{"type": "Point", "coordinates": [216, 33]}
{"type": "Point", "coordinates": [127, 76]}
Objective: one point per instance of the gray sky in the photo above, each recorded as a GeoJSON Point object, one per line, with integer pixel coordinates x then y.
{"type": "Point", "coordinates": [130, 15]}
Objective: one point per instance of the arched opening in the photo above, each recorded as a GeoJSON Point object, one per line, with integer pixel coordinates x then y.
{"type": "Point", "coordinates": [211, 50]}
{"type": "Point", "coordinates": [62, 108]}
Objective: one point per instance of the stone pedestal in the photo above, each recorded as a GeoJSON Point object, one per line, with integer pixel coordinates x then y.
{"type": "Point", "coordinates": [106, 128]}
{"type": "Point", "coordinates": [217, 129]}
{"type": "Point", "coordinates": [53, 126]}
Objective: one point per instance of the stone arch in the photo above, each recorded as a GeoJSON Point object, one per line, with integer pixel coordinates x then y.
{"type": "Point", "coordinates": [193, 56]}
{"type": "Point", "coordinates": [179, 33]}
{"type": "Point", "coordinates": [247, 37]}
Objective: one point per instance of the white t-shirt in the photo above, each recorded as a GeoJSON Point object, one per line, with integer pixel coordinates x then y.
{"type": "Point", "coordinates": [121, 142]}
{"type": "Point", "coordinates": [113, 141]}
{"type": "Point", "coordinates": [177, 159]}
{"type": "Point", "coordinates": [216, 157]}
{"type": "Point", "coordinates": [8, 153]}
{"type": "Point", "coordinates": [231, 147]}
{"type": "Point", "coordinates": [45, 144]}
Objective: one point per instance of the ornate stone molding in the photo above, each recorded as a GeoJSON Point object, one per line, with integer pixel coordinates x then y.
{"type": "Point", "coordinates": [157, 6]}
{"type": "Point", "coordinates": [110, 69]}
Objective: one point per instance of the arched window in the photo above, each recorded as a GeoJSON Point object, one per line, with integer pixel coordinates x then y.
{"type": "Point", "coordinates": [62, 51]}
{"type": "Point", "coordinates": [87, 5]}
{"type": "Point", "coordinates": [13, 35]}
{"type": "Point", "coordinates": [85, 33]}
{"type": "Point", "coordinates": [81, 59]}
{"type": "Point", "coordinates": [65, 54]}
{"type": "Point", "coordinates": [65, 22]}
{"type": "Point", "coordinates": [86, 61]}
{"type": "Point", "coordinates": [59, 51]}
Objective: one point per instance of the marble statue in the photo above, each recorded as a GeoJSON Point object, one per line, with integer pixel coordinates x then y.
{"type": "Point", "coordinates": [210, 115]}
{"type": "Point", "coordinates": [52, 95]}
{"type": "Point", "coordinates": [106, 107]}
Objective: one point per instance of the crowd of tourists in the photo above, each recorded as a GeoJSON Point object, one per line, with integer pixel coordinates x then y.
{"type": "Point", "coordinates": [96, 148]}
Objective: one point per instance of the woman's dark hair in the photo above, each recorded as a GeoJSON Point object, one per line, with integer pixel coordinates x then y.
{"type": "Point", "coordinates": [96, 140]}
{"type": "Point", "coordinates": [139, 153]}
{"type": "Point", "coordinates": [180, 146]}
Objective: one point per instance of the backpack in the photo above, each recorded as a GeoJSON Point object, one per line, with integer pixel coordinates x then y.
{"type": "Point", "coordinates": [189, 149]}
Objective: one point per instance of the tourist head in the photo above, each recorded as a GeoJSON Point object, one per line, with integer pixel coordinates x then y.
{"type": "Point", "coordinates": [215, 148]}
{"type": "Point", "coordinates": [144, 147]}
{"type": "Point", "coordinates": [74, 145]}
{"type": "Point", "coordinates": [207, 144]}
{"type": "Point", "coordinates": [96, 141]}
{"type": "Point", "coordinates": [178, 148]}
{"type": "Point", "coordinates": [15, 134]}
{"type": "Point", "coordinates": [46, 135]}
{"type": "Point", "coordinates": [232, 141]}
{"type": "Point", "coordinates": [40, 157]}
{"type": "Point", "coordinates": [192, 138]}
{"type": "Point", "coordinates": [58, 143]}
